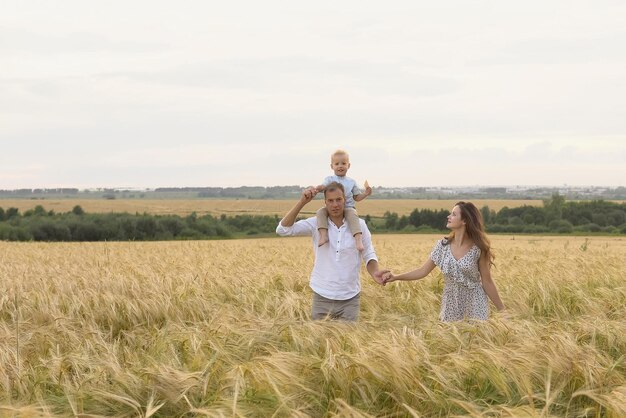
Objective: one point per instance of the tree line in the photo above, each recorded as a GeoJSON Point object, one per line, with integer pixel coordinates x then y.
{"type": "Point", "coordinates": [556, 216]}
{"type": "Point", "coordinates": [40, 225]}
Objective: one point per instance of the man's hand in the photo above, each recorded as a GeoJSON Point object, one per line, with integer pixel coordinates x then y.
{"type": "Point", "coordinates": [308, 194]}
{"type": "Point", "coordinates": [379, 276]}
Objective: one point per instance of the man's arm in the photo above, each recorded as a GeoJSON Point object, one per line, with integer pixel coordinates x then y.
{"type": "Point", "coordinates": [290, 218]}
{"type": "Point", "coordinates": [375, 272]}
{"type": "Point", "coordinates": [369, 256]}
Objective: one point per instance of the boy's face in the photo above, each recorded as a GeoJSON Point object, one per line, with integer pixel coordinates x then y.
{"type": "Point", "coordinates": [340, 164]}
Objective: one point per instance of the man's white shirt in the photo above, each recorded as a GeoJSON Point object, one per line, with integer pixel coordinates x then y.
{"type": "Point", "coordinates": [337, 263]}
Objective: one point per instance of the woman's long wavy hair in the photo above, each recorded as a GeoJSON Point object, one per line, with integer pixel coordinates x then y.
{"type": "Point", "coordinates": [475, 229]}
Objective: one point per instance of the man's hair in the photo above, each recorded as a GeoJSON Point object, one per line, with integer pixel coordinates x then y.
{"type": "Point", "coordinates": [339, 152]}
{"type": "Point", "coordinates": [334, 186]}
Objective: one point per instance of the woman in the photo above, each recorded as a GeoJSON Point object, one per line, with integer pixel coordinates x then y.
{"type": "Point", "coordinates": [465, 259]}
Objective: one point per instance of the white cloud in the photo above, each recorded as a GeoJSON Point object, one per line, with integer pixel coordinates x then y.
{"type": "Point", "coordinates": [239, 93]}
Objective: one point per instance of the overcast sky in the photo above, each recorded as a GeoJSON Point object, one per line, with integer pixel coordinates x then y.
{"type": "Point", "coordinates": [203, 93]}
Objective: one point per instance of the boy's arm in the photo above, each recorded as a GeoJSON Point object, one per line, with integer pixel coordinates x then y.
{"type": "Point", "coordinates": [361, 196]}
{"type": "Point", "coordinates": [326, 182]}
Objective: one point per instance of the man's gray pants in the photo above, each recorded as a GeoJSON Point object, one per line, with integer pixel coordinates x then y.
{"type": "Point", "coordinates": [346, 310]}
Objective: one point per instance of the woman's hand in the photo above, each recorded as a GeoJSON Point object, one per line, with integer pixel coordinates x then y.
{"type": "Point", "coordinates": [388, 277]}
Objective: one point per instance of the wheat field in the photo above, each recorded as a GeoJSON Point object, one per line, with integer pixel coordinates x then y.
{"type": "Point", "coordinates": [372, 207]}
{"type": "Point", "coordinates": [222, 329]}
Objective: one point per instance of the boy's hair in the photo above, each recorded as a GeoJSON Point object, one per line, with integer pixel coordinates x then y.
{"type": "Point", "coordinates": [334, 186]}
{"type": "Point", "coordinates": [339, 152]}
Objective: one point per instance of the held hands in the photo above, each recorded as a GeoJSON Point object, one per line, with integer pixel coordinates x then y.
{"type": "Point", "coordinates": [388, 277]}
{"type": "Point", "coordinates": [379, 276]}
{"type": "Point", "coordinates": [384, 276]}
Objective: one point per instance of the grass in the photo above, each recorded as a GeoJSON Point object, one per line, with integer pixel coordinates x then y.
{"type": "Point", "coordinates": [221, 328]}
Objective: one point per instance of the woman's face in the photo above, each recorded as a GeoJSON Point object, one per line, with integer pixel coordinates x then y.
{"type": "Point", "coordinates": [454, 219]}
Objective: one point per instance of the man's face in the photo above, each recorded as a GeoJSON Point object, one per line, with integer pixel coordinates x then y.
{"type": "Point", "coordinates": [335, 202]}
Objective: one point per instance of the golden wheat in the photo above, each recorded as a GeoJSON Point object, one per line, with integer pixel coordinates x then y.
{"type": "Point", "coordinates": [221, 328]}
{"type": "Point", "coordinates": [372, 207]}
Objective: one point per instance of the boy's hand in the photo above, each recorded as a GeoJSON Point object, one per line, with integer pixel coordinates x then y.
{"type": "Point", "coordinates": [368, 189]}
{"type": "Point", "coordinates": [308, 194]}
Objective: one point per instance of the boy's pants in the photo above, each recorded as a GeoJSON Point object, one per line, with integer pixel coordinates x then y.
{"type": "Point", "coordinates": [352, 219]}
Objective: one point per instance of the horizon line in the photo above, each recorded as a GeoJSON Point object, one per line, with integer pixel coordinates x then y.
{"type": "Point", "coordinates": [140, 188]}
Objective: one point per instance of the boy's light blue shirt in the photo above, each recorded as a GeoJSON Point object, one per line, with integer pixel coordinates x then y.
{"type": "Point", "coordinates": [349, 186]}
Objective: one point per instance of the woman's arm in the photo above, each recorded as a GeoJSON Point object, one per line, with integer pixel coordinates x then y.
{"type": "Point", "coordinates": [488, 284]}
{"type": "Point", "coordinates": [416, 274]}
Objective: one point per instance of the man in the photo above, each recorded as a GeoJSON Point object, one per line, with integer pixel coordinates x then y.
{"type": "Point", "coordinates": [335, 276]}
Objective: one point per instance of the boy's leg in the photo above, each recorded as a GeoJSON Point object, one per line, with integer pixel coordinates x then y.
{"type": "Point", "coordinates": [322, 225]}
{"type": "Point", "coordinates": [355, 227]}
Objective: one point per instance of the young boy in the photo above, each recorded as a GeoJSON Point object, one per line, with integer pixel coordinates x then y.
{"type": "Point", "coordinates": [340, 163]}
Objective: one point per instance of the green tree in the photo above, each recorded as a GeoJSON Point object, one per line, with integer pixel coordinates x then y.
{"type": "Point", "coordinates": [486, 214]}
{"type": "Point", "coordinates": [561, 226]}
{"type": "Point", "coordinates": [554, 207]}
{"type": "Point", "coordinates": [36, 211]}
{"type": "Point", "coordinates": [391, 220]}
{"type": "Point", "coordinates": [599, 218]}
{"type": "Point", "coordinates": [12, 213]}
